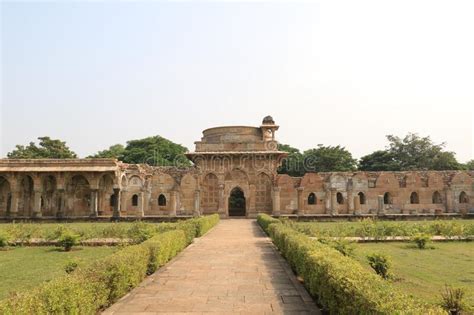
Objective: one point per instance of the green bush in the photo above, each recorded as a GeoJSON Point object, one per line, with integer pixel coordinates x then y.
{"type": "Point", "coordinates": [341, 284]}
{"type": "Point", "coordinates": [380, 263]}
{"type": "Point", "coordinates": [343, 246]}
{"type": "Point", "coordinates": [204, 224]}
{"type": "Point", "coordinates": [264, 220]}
{"type": "Point", "coordinates": [453, 300]}
{"type": "Point", "coordinates": [163, 247]}
{"type": "Point", "coordinates": [421, 240]}
{"type": "Point", "coordinates": [141, 231]}
{"type": "Point", "coordinates": [4, 239]}
{"type": "Point", "coordinates": [70, 266]}
{"type": "Point", "coordinates": [68, 239]}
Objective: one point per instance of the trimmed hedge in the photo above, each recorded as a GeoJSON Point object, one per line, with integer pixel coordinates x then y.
{"type": "Point", "coordinates": [340, 283]}
{"type": "Point", "coordinates": [204, 224]}
{"type": "Point", "coordinates": [91, 289]}
{"type": "Point", "coordinates": [164, 247]}
{"type": "Point", "coordinates": [264, 220]}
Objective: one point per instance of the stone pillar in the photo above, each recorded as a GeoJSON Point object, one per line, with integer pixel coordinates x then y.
{"type": "Point", "coordinates": [252, 195]}
{"type": "Point", "coordinates": [333, 201]}
{"type": "Point", "coordinates": [197, 203]}
{"type": "Point", "coordinates": [356, 201]}
{"type": "Point", "coordinates": [276, 201]}
{"type": "Point", "coordinates": [123, 201]}
{"type": "Point", "coordinates": [450, 203]}
{"type": "Point", "coordinates": [327, 201]}
{"type": "Point", "coordinates": [221, 202]}
{"type": "Point", "coordinates": [61, 203]}
{"type": "Point", "coordinates": [37, 204]}
{"type": "Point", "coordinates": [380, 205]}
{"type": "Point", "coordinates": [116, 211]}
{"type": "Point", "coordinates": [140, 208]}
{"type": "Point", "coordinates": [300, 199]}
{"type": "Point", "coordinates": [173, 203]}
{"type": "Point", "coordinates": [14, 204]}
{"type": "Point", "coordinates": [350, 201]}
{"type": "Point", "coordinates": [94, 203]}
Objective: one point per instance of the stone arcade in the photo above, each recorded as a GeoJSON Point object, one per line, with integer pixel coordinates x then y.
{"type": "Point", "coordinates": [234, 173]}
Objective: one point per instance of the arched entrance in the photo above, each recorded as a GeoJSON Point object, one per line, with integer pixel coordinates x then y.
{"type": "Point", "coordinates": [236, 202]}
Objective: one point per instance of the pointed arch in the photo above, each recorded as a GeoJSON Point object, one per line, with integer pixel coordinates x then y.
{"type": "Point", "coordinates": [436, 198]}
{"type": "Point", "coordinates": [414, 198]}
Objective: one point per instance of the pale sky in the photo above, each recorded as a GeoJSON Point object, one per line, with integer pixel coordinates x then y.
{"type": "Point", "coordinates": [331, 72]}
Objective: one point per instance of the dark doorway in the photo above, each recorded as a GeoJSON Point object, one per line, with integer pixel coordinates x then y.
{"type": "Point", "coordinates": [236, 202]}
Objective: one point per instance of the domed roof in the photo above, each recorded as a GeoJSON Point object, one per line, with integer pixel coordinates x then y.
{"type": "Point", "coordinates": [268, 120]}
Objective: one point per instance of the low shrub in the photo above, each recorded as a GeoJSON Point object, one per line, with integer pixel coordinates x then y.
{"type": "Point", "coordinates": [341, 284]}
{"type": "Point", "coordinates": [264, 220]}
{"type": "Point", "coordinates": [380, 263]}
{"type": "Point", "coordinates": [4, 239]}
{"type": "Point", "coordinates": [164, 247]}
{"type": "Point", "coordinates": [343, 246]}
{"type": "Point", "coordinates": [453, 300]}
{"type": "Point", "coordinates": [421, 240]}
{"type": "Point", "coordinates": [70, 266]}
{"type": "Point", "coordinates": [67, 240]}
{"type": "Point", "coordinates": [141, 231]}
{"type": "Point", "coordinates": [205, 223]}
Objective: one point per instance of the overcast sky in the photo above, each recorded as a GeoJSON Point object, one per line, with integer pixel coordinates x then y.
{"type": "Point", "coordinates": [333, 72]}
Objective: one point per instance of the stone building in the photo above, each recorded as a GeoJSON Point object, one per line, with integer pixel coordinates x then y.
{"type": "Point", "coordinates": [234, 174]}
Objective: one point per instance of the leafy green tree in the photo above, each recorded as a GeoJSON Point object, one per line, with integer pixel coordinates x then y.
{"type": "Point", "coordinates": [379, 161]}
{"type": "Point", "coordinates": [469, 165]}
{"type": "Point", "coordinates": [48, 149]}
{"type": "Point", "coordinates": [156, 151]}
{"type": "Point", "coordinates": [328, 159]}
{"type": "Point", "coordinates": [113, 152]}
{"type": "Point", "coordinates": [293, 163]}
{"type": "Point", "coordinates": [410, 153]}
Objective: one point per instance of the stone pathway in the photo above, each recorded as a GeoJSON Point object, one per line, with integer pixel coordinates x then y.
{"type": "Point", "coordinates": [234, 269]}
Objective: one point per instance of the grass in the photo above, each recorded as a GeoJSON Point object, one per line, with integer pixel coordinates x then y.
{"type": "Point", "coordinates": [87, 230]}
{"type": "Point", "coordinates": [423, 273]}
{"type": "Point", "coordinates": [380, 228]}
{"type": "Point", "coordinates": [23, 268]}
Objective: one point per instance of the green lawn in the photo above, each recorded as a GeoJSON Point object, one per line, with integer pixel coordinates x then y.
{"type": "Point", "coordinates": [23, 268]}
{"type": "Point", "coordinates": [380, 228]}
{"type": "Point", "coordinates": [423, 273]}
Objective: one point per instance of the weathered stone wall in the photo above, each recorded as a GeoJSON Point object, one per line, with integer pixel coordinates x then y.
{"type": "Point", "coordinates": [227, 160]}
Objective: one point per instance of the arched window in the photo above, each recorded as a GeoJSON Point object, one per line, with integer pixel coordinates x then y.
{"type": "Point", "coordinates": [113, 200]}
{"type": "Point", "coordinates": [311, 199]}
{"type": "Point", "coordinates": [387, 198]}
{"type": "Point", "coordinates": [361, 198]}
{"type": "Point", "coordinates": [339, 198]}
{"type": "Point", "coordinates": [135, 200]}
{"type": "Point", "coordinates": [161, 200]}
{"type": "Point", "coordinates": [463, 197]}
{"type": "Point", "coordinates": [437, 197]}
{"type": "Point", "coordinates": [414, 199]}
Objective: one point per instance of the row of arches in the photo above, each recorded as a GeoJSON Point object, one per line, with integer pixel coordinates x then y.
{"type": "Point", "coordinates": [388, 199]}
{"type": "Point", "coordinates": [134, 200]}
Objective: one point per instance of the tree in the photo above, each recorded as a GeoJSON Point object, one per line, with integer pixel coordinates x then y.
{"type": "Point", "coordinates": [113, 152]}
{"type": "Point", "coordinates": [48, 149]}
{"type": "Point", "coordinates": [328, 159]}
{"type": "Point", "coordinates": [379, 161]}
{"type": "Point", "coordinates": [293, 163]}
{"type": "Point", "coordinates": [155, 150]}
{"type": "Point", "coordinates": [469, 165]}
{"type": "Point", "coordinates": [410, 153]}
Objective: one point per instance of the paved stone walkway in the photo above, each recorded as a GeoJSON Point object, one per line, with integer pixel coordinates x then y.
{"type": "Point", "coordinates": [234, 269]}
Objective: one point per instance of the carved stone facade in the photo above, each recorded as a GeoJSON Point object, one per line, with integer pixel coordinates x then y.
{"type": "Point", "coordinates": [234, 173]}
